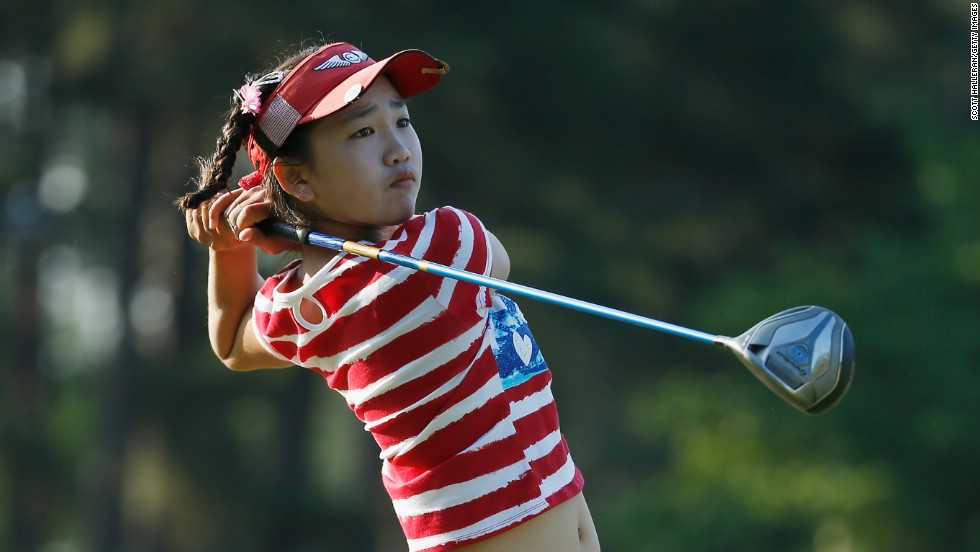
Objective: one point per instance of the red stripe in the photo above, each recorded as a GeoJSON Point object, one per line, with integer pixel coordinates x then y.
{"type": "Point", "coordinates": [444, 241]}
{"type": "Point", "coordinates": [455, 518]}
{"type": "Point", "coordinates": [411, 346]}
{"type": "Point", "coordinates": [539, 424]}
{"type": "Point", "coordinates": [463, 467]}
{"type": "Point", "coordinates": [413, 422]}
{"type": "Point", "coordinates": [435, 526]}
{"type": "Point", "coordinates": [527, 388]}
{"type": "Point", "coordinates": [285, 349]}
{"type": "Point", "coordinates": [458, 435]}
{"type": "Point", "coordinates": [408, 393]}
{"type": "Point", "coordinates": [347, 284]}
{"type": "Point", "coordinates": [552, 461]}
{"type": "Point", "coordinates": [446, 249]}
{"type": "Point", "coordinates": [349, 331]}
{"type": "Point", "coordinates": [397, 354]}
{"type": "Point", "coordinates": [277, 323]}
{"type": "Point", "coordinates": [387, 403]}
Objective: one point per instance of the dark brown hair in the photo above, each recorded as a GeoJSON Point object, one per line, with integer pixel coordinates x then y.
{"type": "Point", "coordinates": [214, 171]}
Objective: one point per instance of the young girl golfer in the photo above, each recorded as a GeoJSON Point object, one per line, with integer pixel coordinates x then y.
{"type": "Point", "coordinates": [444, 374]}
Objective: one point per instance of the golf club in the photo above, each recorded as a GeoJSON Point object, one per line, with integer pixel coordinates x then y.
{"type": "Point", "coordinates": [805, 354]}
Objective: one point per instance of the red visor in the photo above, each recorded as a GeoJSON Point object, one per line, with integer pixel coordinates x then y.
{"type": "Point", "coordinates": [325, 82]}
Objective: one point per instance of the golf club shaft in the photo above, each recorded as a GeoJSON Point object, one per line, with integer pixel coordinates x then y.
{"type": "Point", "coordinates": [286, 231]}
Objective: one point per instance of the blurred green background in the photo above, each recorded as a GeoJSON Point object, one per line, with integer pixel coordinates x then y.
{"type": "Point", "coordinates": [705, 163]}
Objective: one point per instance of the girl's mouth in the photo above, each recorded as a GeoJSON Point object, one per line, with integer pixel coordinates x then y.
{"type": "Point", "coordinates": [405, 179]}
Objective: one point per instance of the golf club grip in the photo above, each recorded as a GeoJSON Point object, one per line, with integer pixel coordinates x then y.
{"type": "Point", "coordinates": [279, 229]}
{"type": "Point", "coordinates": [286, 231]}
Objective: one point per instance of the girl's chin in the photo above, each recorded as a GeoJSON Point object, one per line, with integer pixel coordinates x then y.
{"type": "Point", "coordinates": [406, 211]}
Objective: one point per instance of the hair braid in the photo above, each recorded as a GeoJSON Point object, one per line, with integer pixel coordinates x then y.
{"type": "Point", "coordinates": [216, 170]}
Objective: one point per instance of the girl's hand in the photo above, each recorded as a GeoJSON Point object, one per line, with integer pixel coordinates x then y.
{"type": "Point", "coordinates": [207, 227]}
{"type": "Point", "coordinates": [241, 212]}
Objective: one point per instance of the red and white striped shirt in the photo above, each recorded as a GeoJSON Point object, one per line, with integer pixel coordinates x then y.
{"type": "Point", "coordinates": [444, 374]}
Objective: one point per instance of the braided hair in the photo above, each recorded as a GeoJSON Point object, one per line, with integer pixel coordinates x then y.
{"type": "Point", "coordinates": [214, 171]}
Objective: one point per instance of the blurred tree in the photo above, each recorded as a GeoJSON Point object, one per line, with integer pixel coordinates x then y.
{"type": "Point", "coordinates": [27, 453]}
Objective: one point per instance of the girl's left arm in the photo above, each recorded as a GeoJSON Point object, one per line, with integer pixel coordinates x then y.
{"type": "Point", "coordinates": [500, 267]}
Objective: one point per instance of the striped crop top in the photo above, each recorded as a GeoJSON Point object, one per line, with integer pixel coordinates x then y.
{"type": "Point", "coordinates": [444, 374]}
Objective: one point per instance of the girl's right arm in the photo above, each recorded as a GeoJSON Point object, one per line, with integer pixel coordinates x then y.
{"type": "Point", "coordinates": [233, 279]}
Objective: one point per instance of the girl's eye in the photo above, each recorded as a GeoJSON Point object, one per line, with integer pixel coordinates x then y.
{"type": "Point", "coordinates": [363, 133]}
{"type": "Point", "coordinates": [404, 122]}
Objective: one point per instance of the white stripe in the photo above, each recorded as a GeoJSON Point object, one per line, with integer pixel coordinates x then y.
{"type": "Point", "coordinates": [425, 312]}
{"type": "Point", "coordinates": [416, 368]}
{"type": "Point", "coordinates": [331, 270]}
{"type": "Point", "coordinates": [481, 396]}
{"type": "Point", "coordinates": [488, 266]}
{"type": "Point", "coordinates": [263, 304]}
{"type": "Point", "coordinates": [501, 430]}
{"type": "Point", "coordinates": [543, 447]}
{"type": "Point", "coordinates": [532, 403]}
{"type": "Point", "coordinates": [425, 236]}
{"type": "Point", "coordinates": [459, 493]}
{"type": "Point", "coordinates": [422, 246]}
{"type": "Point", "coordinates": [442, 390]}
{"type": "Point", "coordinates": [368, 294]}
{"type": "Point", "coordinates": [461, 259]}
{"type": "Point", "coordinates": [493, 523]}
{"type": "Point", "coordinates": [289, 299]}
{"type": "Point", "coordinates": [557, 481]}
{"type": "Point", "coordinates": [364, 297]}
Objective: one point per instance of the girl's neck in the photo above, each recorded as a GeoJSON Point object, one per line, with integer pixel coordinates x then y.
{"type": "Point", "coordinates": [314, 258]}
{"type": "Point", "coordinates": [370, 234]}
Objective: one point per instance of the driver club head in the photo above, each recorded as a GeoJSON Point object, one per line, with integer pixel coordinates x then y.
{"type": "Point", "coordinates": [804, 354]}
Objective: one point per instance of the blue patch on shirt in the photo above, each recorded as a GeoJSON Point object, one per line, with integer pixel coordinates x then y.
{"type": "Point", "coordinates": [517, 353]}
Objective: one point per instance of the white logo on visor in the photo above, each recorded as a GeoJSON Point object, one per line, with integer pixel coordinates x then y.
{"type": "Point", "coordinates": [345, 59]}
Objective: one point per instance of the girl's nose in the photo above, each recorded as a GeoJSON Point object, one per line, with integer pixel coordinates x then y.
{"type": "Point", "coordinates": [398, 152]}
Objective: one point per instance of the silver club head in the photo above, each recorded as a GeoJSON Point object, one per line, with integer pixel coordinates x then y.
{"type": "Point", "coordinates": [804, 354]}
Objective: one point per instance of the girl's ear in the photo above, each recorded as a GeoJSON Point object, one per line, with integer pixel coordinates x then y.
{"type": "Point", "coordinates": [291, 180]}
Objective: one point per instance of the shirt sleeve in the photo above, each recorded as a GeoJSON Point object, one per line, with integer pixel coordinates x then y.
{"type": "Point", "coordinates": [273, 324]}
{"type": "Point", "coordinates": [457, 239]}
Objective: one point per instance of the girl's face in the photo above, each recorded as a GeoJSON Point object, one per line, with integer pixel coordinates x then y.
{"type": "Point", "coordinates": [365, 167]}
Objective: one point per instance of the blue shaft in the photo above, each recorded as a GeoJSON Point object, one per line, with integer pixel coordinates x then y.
{"type": "Point", "coordinates": [339, 244]}
{"type": "Point", "coordinates": [545, 296]}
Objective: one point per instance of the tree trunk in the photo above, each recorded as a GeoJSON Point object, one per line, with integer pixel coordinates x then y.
{"type": "Point", "coordinates": [122, 379]}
